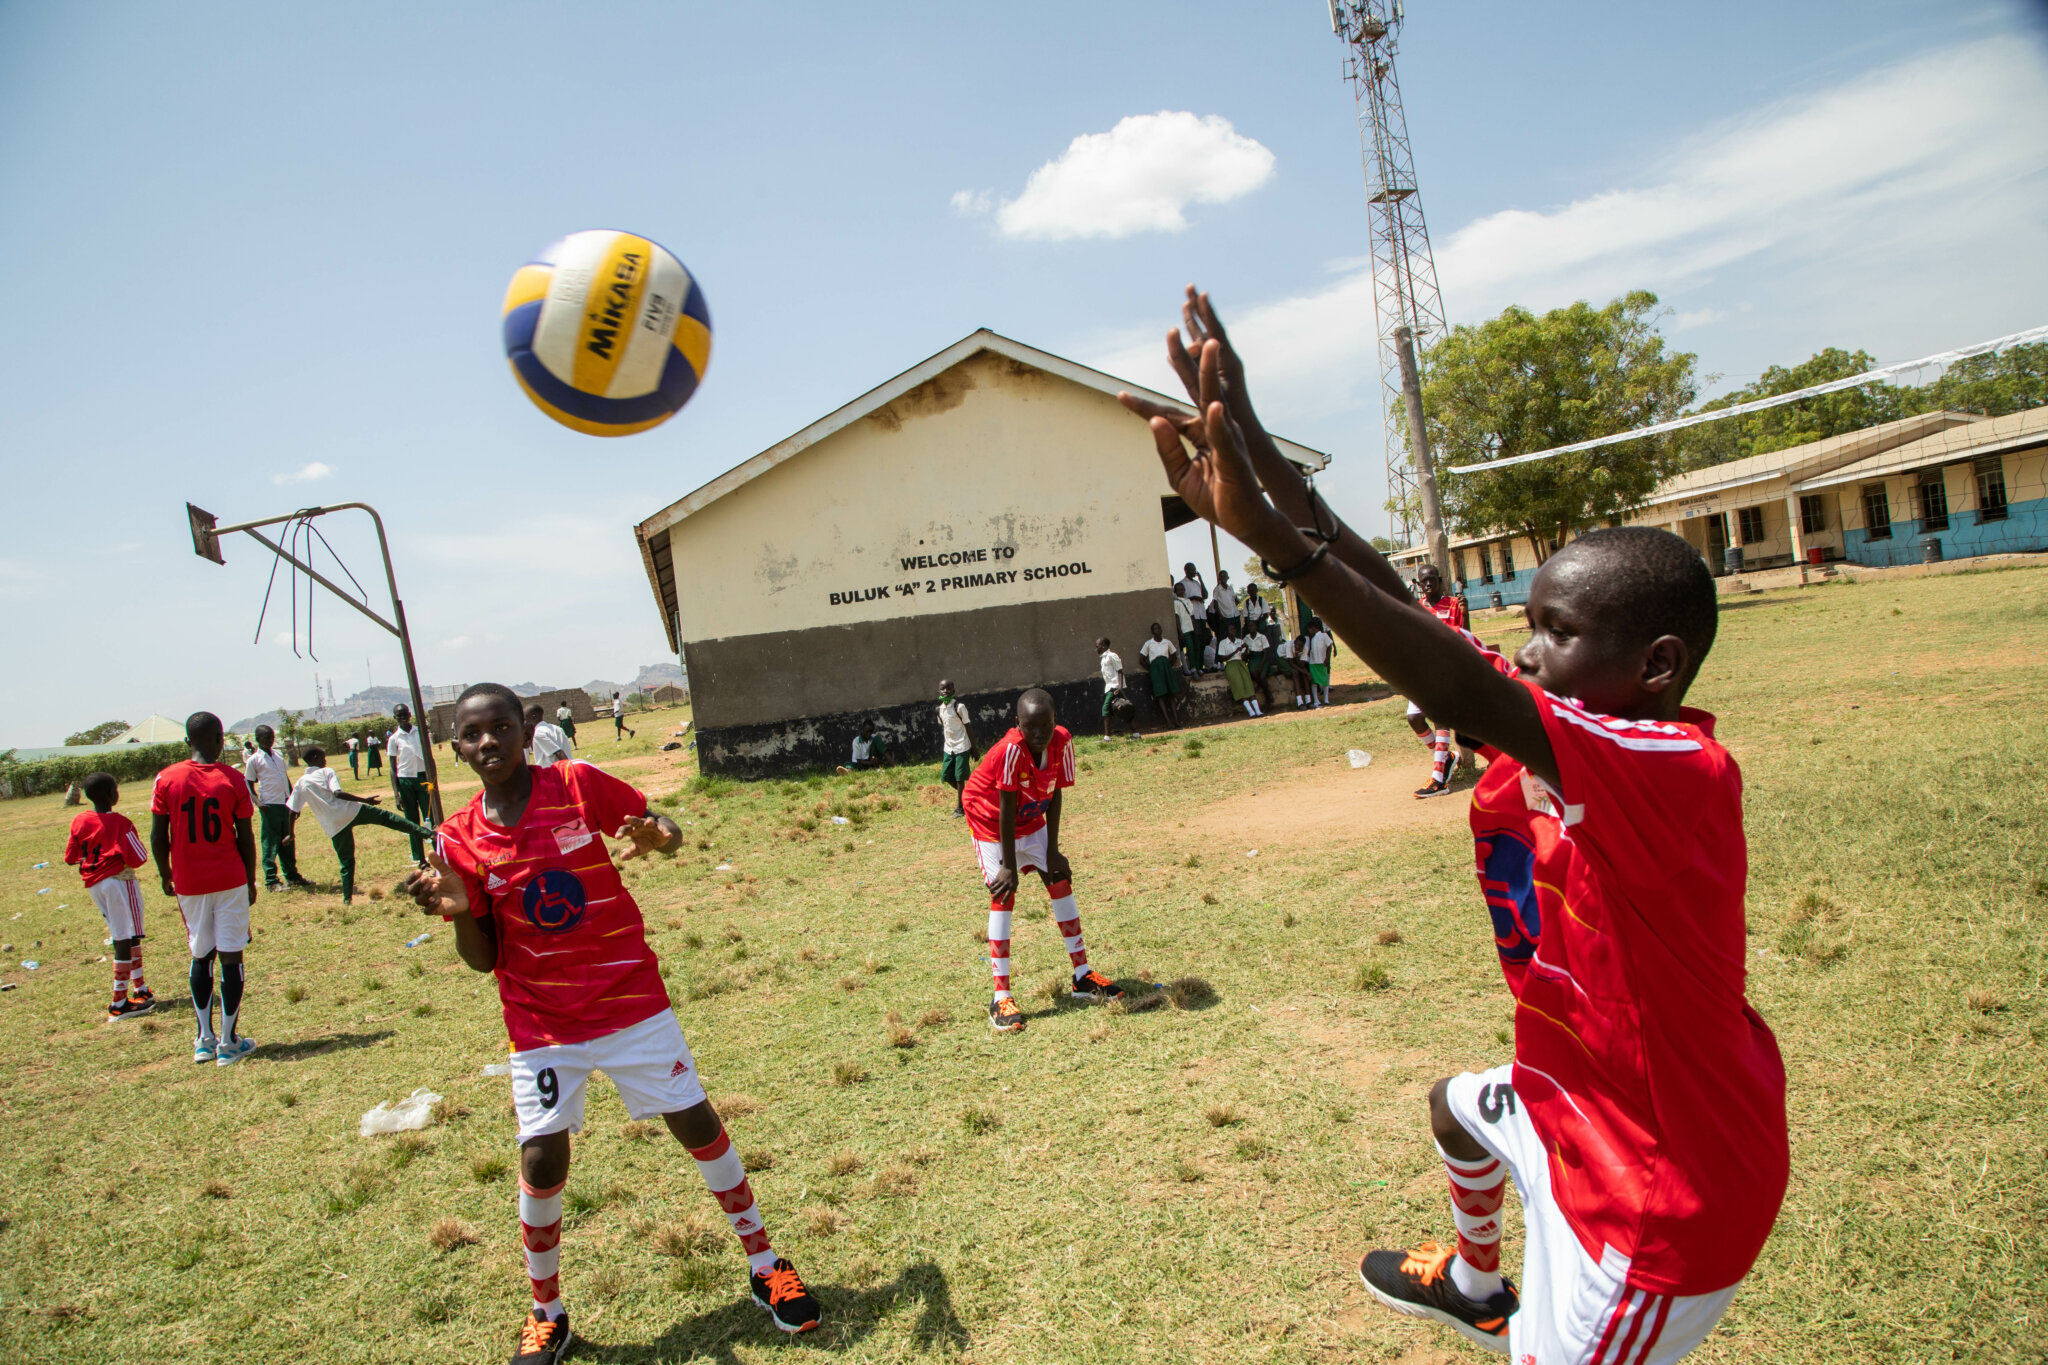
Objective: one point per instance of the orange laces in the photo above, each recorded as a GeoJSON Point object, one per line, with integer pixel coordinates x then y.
{"type": "Point", "coordinates": [1426, 1263]}
{"type": "Point", "coordinates": [784, 1284]}
{"type": "Point", "coordinates": [536, 1335]}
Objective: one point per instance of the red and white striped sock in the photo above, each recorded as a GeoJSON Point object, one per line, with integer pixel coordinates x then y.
{"type": "Point", "coordinates": [121, 970]}
{"type": "Point", "coordinates": [720, 1166]}
{"type": "Point", "coordinates": [999, 944]}
{"type": "Point", "coordinates": [1440, 763]}
{"type": "Point", "coordinates": [1069, 920]}
{"type": "Point", "coordinates": [135, 981]}
{"type": "Point", "coordinates": [1477, 1189]}
{"type": "Point", "coordinates": [540, 1228]}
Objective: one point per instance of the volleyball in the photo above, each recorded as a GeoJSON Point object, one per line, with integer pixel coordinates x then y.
{"type": "Point", "coordinates": [607, 332]}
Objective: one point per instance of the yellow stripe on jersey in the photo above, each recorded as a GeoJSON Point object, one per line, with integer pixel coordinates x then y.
{"type": "Point", "coordinates": [611, 311]}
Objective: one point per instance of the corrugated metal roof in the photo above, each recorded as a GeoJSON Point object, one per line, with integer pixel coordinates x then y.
{"type": "Point", "coordinates": [1983, 436]}
{"type": "Point", "coordinates": [1805, 461]}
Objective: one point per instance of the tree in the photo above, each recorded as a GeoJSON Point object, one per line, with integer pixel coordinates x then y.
{"type": "Point", "coordinates": [1521, 383]}
{"type": "Point", "coordinates": [99, 734]}
{"type": "Point", "coordinates": [1794, 424]}
{"type": "Point", "coordinates": [2011, 380]}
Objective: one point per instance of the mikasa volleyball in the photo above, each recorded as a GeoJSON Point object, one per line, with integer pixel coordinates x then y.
{"type": "Point", "coordinates": [607, 332]}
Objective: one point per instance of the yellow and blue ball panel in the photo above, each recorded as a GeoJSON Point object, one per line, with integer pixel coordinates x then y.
{"type": "Point", "coordinates": [607, 332]}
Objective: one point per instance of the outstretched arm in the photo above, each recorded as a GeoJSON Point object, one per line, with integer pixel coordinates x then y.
{"type": "Point", "coordinates": [1417, 654]}
{"type": "Point", "coordinates": [1290, 492]}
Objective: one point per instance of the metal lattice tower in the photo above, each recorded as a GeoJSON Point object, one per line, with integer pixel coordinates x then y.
{"type": "Point", "coordinates": [1404, 288]}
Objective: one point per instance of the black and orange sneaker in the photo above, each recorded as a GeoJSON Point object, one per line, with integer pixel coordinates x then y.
{"type": "Point", "coordinates": [143, 996]}
{"type": "Point", "coordinates": [780, 1290]}
{"type": "Point", "coordinates": [1005, 1017]}
{"type": "Point", "coordinates": [1434, 789]}
{"type": "Point", "coordinates": [128, 1009]}
{"type": "Point", "coordinates": [543, 1340]}
{"type": "Point", "coordinates": [1418, 1283]}
{"type": "Point", "coordinates": [1090, 984]}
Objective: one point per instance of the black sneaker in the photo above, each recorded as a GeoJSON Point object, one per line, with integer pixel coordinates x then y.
{"type": "Point", "coordinates": [301, 884]}
{"type": "Point", "coordinates": [1418, 1284]}
{"type": "Point", "coordinates": [126, 1009]}
{"type": "Point", "coordinates": [1433, 789]}
{"type": "Point", "coordinates": [543, 1340]}
{"type": "Point", "coordinates": [1005, 1017]}
{"type": "Point", "coordinates": [1093, 985]}
{"type": "Point", "coordinates": [781, 1291]}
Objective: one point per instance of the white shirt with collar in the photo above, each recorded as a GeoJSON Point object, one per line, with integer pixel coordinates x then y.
{"type": "Point", "coordinates": [1226, 601]}
{"type": "Point", "coordinates": [953, 724]}
{"type": "Point", "coordinates": [1112, 670]}
{"type": "Point", "coordinates": [408, 759]}
{"type": "Point", "coordinates": [316, 793]}
{"type": "Point", "coordinates": [1319, 647]}
{"type": "Point", "coordinates": [550, 745]}
{"type": "Point", "coordinates": [268, 778]}
{"type": "Point", "coordinates": [1155, 649]}
{"type": "Point", "coordinates": [1228, 648]}
{"type": "Point", "coordinates": [1191, 588]}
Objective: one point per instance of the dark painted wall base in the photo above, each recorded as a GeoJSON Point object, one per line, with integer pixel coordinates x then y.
{"type": "Point", "coordinates": [778, 749]}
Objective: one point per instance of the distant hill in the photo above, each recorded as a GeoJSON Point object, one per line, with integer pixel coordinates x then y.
{"type": "Point", "coordinates": [378, 701]}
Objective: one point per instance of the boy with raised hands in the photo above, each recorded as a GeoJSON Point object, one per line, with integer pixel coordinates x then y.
{"type": "Point", "coordinates": [523, 876]}
{"type": "Point", "coordinates": [1643, 1116]}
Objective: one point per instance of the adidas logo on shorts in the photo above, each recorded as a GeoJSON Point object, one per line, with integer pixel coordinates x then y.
{"type": "Point", "coordinates": [678, 1069]}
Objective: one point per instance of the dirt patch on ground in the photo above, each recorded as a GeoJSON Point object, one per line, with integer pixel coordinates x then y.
{"type": "Point", "coordinates": [1333, 801]}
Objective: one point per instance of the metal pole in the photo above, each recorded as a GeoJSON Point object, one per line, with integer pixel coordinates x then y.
{"type": "Point", "coordinates": [1418, 444]}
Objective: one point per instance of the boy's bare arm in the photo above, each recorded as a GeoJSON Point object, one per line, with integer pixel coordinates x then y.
{"type": "Point", "coordinates": [1417, 654]}
{"type": "Point", "coordinates": [1005, 881]}
{"type": "Point", "coordinates": [438, 890]}
{"type": "Point", "coordinates": [245, 844]}
{"type": "Point", "coordinates": [1056, 864]}
{"type": "Point", "coordinates": [160, 848]}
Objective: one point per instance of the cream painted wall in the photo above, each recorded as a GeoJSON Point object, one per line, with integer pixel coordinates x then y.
{"type": "Point", "coordinates": [1017, 470]}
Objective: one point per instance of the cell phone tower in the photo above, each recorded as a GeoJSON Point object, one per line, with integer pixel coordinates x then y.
{"type": "Point", "coordinates": [1409, 310]}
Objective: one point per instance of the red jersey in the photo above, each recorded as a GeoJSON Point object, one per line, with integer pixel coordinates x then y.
{"type": "Point", "coordinates": [573, 961]}
{"type": "Point", "coordinates": [101, 845]}
{"type": "Point", "coordinates": [1617, 908]}
{"type": "Point", "coordinates": [203, 801]}
{"type": "Point", "coordinates": [1447, 609]}
{"type": "Point", "coordinates": [1009, 767]}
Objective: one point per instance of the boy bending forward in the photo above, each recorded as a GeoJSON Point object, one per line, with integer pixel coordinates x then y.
{"type": "Point", "coordinates": [1643, 1116]}
{"type": "Point", "coordinates": [1013, 815]}
{"type": "Point", "coordinates": [524, 877]}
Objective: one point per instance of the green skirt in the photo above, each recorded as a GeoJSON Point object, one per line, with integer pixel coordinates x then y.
{"type": "Point", "coordinates": [1240, 679]}
{"type": "Point", "coordinates": [1165, 677]}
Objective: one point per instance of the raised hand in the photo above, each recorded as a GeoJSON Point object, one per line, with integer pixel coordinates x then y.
{"type": "Point", "coordinates": [436, 888]}
{"type": "Point", "coordinates": [1216, 479]}
{"type": "Point", "coordinates": [646, 835]}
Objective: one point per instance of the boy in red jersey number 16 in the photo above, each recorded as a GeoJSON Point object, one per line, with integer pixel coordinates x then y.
{"type": "Point", "coordinates": [1013, 815]}
{"type": "Point", "coordinates": [1643, 1116]}
{"type": "Point", "coordinates": [526, 882]}
{"type": "Point", "coordinates": [205, 850]}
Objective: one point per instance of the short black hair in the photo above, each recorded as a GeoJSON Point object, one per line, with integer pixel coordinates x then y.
{"type": "Point", "coordinates": [1646, 582]}
{"type": "Point", "coordinates": [498, 690]}
{"type": "Point", "coordinates": [533, 711]}
{"type": "Point", "coordinates": [313, 756]}
{"type": "Point", "coordinates": [100, 789]}
{"type": "Point", "coordinates": [201, 723]}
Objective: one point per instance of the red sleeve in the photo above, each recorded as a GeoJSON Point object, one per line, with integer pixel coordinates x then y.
{"type": "Point", "coordinates": [607, 802]}
{"type": "Point", "coordinates": [1066, 777]}
{"type": "Point", "coordinates": [1006, 771]}
{"type": "Point", "coordinates": [245, 807]}
{"type": "Point", "coordinates": [132, 851]}
{"type": "Point", "coordinates": [1646, 798]}
{"type": "Point", "coordinates": [71, 848]}
{"type": "Point", "coordinates": [159, 799]}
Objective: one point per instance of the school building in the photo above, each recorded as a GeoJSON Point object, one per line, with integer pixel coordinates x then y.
{"type": "Point", "coordinates": [981, 517]}
{"type": "Point", "coordinates": [1936, 486]}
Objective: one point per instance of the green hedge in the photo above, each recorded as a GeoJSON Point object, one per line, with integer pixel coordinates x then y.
{"type": "Point", "coordinates": [135, 763]}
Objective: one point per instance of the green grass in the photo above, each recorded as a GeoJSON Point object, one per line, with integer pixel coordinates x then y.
{"type": "Point", "coordinates": [1233, 1141]}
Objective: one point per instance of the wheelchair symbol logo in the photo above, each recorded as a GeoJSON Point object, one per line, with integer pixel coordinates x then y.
{"type": "Point", "coordinates": [554, 901]}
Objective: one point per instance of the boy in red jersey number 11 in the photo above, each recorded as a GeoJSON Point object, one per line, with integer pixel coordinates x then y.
{"type": "Point", "coordinates": [1643, 1116]}
{"type": "Point", "coordinates": [525, 880]}
{"type": "Point", "coordinates": [1013, 805]}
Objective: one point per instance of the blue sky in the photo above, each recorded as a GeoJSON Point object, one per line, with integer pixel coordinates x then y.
{"type": "Point", "coordinates": [239, 241]}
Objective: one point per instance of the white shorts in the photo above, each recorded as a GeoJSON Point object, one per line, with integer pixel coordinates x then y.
{"type": "Point", "coordinates": [649, 1063]}
{"type": "Point", "coordinates": [216, 921]}
{"type": "Point", "coordinates": [1030, 854]}
{"type": "Point", "coordinates": [1575, 1310]}
{"type": "Point", "coordinates": [120, 903]}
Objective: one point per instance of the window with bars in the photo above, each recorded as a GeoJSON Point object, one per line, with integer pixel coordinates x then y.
{"type": "Point", "coordinates": [1813, 514]}
{"type": "Point", "coordinates": [1933, 497]}
{"type": "Point", "coordinates": [1749, 524]}
{"type": "Point", "coordinates": [1990, 488]}
{"type": "Point", "coordinates": [1507, 554]}
{"type": "Point", "coordinates": [1485, 564]}
{"type": "Point", "coordinates": [1877, 512]}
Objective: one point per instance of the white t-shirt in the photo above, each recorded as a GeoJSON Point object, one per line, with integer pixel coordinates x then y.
{"type": "Point", "coordinates": [1226, 601]}
{"type": "Point", "coordinates": [1255, 643]}
{"type": "Point", "coordinates": [861, 748]}
{"type": "Point", "coordinates": [1155, 649]}
{"type": "Point", "coordinates": [618, 707]}
{"type": "Point", "coordinates": [268, 779]}
{"type": "Point", "coordinates": [563, 713]}
{"type": "Point", "coordinates": [1191, 588]}
{"type": "Point", "coordinates": [1112, 669]}
{"type": "Point", "coordinates": [316, 793]}
{"type": "Point", "coordinates": [1228, 648]}
{"type": "Point", "coordinates": [1183, 615]}
{"type": "Point", "coordinates": [1319, 647]}
{"type": "Point", "coordinates": [550, 745]}
{"type": "Point", "coordinates": [407, 759]}
{"type": "Point", "coordinates": [953, 724]}
{"type": "Point", "coordinates": [1286, 649]}
{"type": "Point", "coordinates": [352, 743]}
{"type": "Point", "coordinates": [1257, 609]}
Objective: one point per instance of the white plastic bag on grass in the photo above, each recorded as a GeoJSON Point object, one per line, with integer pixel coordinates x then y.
{"type": "Point", "coordinates": [1360, 758]}
{"type": "Point", "coordinates": [414, 1111]}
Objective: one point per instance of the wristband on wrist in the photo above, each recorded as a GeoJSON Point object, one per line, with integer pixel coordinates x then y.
{"type": "Point", "coordinates": [1307, 565]}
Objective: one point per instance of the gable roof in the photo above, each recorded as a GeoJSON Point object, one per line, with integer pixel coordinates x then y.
{"type": "Point", "coordinates": [653, 532]}
{"type": "Point", "coordinates": [1985, 436]}
{"type": "Point", "coordinates": [1804, 461]}
{"type": "Point", "coordinates": [154, 730]}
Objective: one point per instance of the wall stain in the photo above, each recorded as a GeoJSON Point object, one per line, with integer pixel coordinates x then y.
{"type": "Point", "coordinates": [941, 393]}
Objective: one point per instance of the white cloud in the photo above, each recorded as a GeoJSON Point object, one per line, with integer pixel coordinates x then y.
{"type": "Point", "coordinates": [305, 474]}
{"type": "Point", "coordinates": [1893, 193]}
{"type": "Point", "coordinates": [1698, 317]}
{"type": "Point", "coordinates": [1140, 176]}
